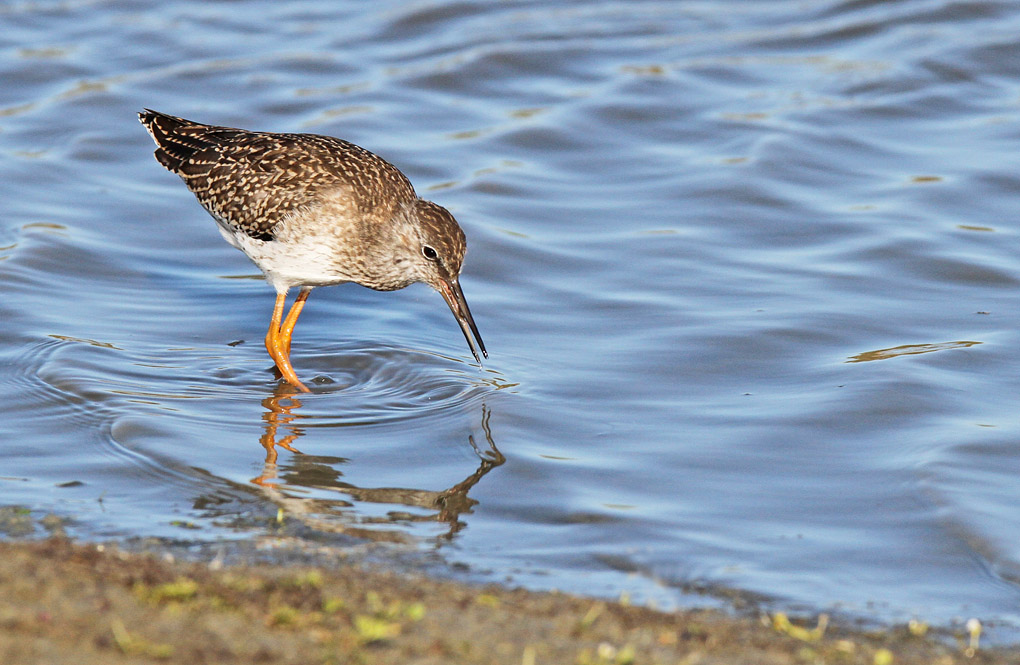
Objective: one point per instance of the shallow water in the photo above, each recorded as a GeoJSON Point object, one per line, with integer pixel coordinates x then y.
{"type": "Point", "coordinates": [748, 273]}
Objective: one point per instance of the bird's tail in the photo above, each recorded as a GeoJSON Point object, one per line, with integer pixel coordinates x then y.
{"type": "Point", "coordinates": [182, 146]}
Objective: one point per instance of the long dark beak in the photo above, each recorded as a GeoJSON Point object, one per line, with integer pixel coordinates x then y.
{"type": "Point", "coordinates": [454, 297]}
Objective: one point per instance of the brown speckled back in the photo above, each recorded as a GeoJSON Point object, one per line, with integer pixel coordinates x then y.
{"type": "Point", "coordinates": [251, 180]}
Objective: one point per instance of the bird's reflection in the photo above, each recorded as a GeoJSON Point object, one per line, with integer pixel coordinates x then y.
{"type": "Point", "coordinates": [279, 411]}
{"type": "Point", "coordinates": [309, 472]}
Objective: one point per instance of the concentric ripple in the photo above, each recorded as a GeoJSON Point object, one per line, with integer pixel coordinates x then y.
{"type": "Point", "coordinates": [150, 418]}
{"type": "Point", "coordinates": [694, 229]}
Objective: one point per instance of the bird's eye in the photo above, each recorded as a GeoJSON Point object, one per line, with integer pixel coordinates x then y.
{"type": "Point", "coordinates": [429, 253]}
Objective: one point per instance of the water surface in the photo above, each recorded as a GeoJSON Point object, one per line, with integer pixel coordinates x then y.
{"type": "Point", "coordinates": [748, 272]}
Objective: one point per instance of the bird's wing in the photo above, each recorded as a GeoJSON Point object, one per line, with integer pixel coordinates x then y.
{"type": "Point", "coordinates": [250, 181]}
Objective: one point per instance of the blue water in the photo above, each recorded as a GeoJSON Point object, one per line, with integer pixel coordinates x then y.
{"type": "Point", "coordinates": [748, 273]}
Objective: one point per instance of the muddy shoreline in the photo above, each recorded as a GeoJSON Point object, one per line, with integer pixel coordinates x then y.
{"type": "Point", "coordinates": [88, 603]}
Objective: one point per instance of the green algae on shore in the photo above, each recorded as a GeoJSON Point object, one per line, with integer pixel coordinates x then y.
{"type": "Point", "coordinates": [92, 604]}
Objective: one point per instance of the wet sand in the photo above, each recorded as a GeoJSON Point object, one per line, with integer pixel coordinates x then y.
{"type": "Point", "coordinates": [62, 602]}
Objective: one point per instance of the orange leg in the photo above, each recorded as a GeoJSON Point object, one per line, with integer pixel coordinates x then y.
{"type": "Point", "coordinates": [287, 329]}
{"type": "Point", "coordinates": [278, 346]}
{"type": "Point", "coordinates": [274, 325]}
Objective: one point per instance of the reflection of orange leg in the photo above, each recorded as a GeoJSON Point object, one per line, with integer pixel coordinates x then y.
{"type": "Point", "coordinates": [277, 415]}
{"type": "Point", "coordinates": [279, 349]}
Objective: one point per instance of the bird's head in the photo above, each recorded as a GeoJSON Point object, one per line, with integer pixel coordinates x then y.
{"type": "Point", "coordinates": [438, 247]}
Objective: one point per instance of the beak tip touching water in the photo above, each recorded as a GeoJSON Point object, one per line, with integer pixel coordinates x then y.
{"type": "Point", "coordinates": [454, 297]}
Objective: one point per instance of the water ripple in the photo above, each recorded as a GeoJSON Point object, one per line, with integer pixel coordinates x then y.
{"type": "Point", "coordinates": [692, 228]}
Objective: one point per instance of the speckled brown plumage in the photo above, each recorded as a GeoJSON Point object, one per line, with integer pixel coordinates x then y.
{"type": "Point", "coordinates": [252, 180]}
{"type": "Point", "coordinates": [313, 210]}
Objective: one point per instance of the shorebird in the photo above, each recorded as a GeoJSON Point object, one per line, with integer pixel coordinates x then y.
{"type": "Point", "coordinates": [312, 210]}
